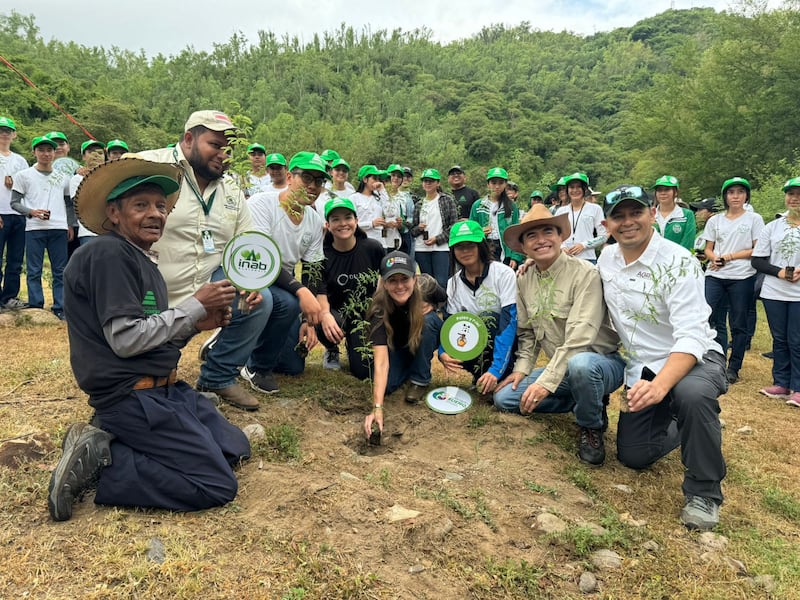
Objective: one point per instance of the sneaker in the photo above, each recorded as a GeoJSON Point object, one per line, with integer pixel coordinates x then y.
{"type": "Point", "coordinates": [233, 394]}
{"type": "Point", "coordinates": [732, 376]}
{"type": "Point", "coordinates": [261, 382]}
{"type": "Point", "coordinates": [700, 513]}
{"type": "Point", "coordinates": [776, 391]}
{"type": "Point", "coordinates": [794, 400]}
{"type": "Point", "coordinates": [86, 451]}
{"type": "Point", "coordinates": [415, 392]}
{"type": "Point", "coordinates": [15, 304]}
{"type": "Point", "coordinates": [330, 360]}
{"type": "Point", "coordinates": [208, 345]}
{"type": "Point", "coordinates": [59, 314]}
{"type": "Point", "coordinates": [591, 446]}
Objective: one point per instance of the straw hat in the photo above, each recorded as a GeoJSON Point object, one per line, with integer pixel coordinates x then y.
{"type": "Point", "coordinates": [536, 216]}
{"type": "Point", "coordinates": [92, 195]}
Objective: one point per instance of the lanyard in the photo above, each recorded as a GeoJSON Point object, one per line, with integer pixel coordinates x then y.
{"type": "Point", "coordinates": [206, 205]}
{"type": "Point", "coordinates": [576, 220]}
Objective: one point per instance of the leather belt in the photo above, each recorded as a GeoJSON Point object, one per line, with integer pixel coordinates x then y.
{"type": "Point", "coordinates": [148, 381]}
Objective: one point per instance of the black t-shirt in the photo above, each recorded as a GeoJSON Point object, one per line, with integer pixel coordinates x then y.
{"type": "Point", "coordinates": [401, 323]}
{"type": "Point", "coordinates": [465, 198]}
{"type": "Point", "coordinates": [352, 274]}
{"type": "Point", "coordinates": [103, 280]}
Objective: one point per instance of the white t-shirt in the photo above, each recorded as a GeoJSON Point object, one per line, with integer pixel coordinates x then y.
{"type": "Point", "coordinates": [587, 225]}
{"type": "Point", "coordinates": [258, 184]}
{"type": "Point", "coordinates": [9, 165]}
{"type": "Point", "coordinates": [429, 214]}
{"type": "Point", "coordinates": [733, 235]}
{"type": "Point", "coordinates": [73, 187]}
{"type": "Point", "coordinates": [44, 191]}
{"type": "Point", "coordinates": [302, 241]}
{"type": "Point", "coordinates": [368, 208]}
{"type": "Point", "coordinates": [499, 289]}
{"type": "Point", "coordinates": [781, 243]}
{"type": "Point", "coordinates": [271, 189]}
{"type": "Point", "coordinates": [391, 212]}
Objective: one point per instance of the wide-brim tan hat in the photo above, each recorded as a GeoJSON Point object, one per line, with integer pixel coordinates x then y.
{"type": "Point", "coordinates": [91, 197]}
{"type": "Point", "coordinates": [536, 216]}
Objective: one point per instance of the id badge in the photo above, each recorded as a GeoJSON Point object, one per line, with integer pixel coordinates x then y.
{"type": "Point", "coordinates": [208, 242]}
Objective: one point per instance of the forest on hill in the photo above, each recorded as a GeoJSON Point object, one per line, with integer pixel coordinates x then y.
{"type": "Point", "coordinates": [695, 93]}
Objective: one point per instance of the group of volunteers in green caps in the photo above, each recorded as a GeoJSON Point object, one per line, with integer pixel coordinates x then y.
{"type": "Point", "coordinates": [609, 288]}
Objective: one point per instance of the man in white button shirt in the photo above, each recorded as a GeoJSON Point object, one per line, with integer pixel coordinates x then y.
{"type": "Point", "coordinates": [675, 369]}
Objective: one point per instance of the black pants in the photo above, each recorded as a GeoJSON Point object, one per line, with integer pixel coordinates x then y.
{"type": "Point", "coordinates": [354, 341]}
{"type": "Point", "coordinates": [687, 417]}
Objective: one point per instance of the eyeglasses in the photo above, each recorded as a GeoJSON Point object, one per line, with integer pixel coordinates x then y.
{"type": "Point", "coordinates": [628, 192]}
{"type": "Point", "coordinates": [308, 179]}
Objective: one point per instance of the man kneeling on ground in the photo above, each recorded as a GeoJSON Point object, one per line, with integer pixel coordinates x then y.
{"type": "Point", "coordinates": [162, 444]}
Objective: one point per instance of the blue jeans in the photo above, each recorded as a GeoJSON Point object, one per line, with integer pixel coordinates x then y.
{"type": "Point", "coordinates": [55, 242]}
{"type": "Point", "coordinates": [405, 366]}
{"type": "Point", "coordinates": [12, 240]}
{"type": "Point", "coordinates": [436, 264]}
{"type": "Point", "coordinates": [235, 342]}
{"type": "Point", "coordinates": [274, 351]}
{"type": "Point", "coordinates": [739, 295]}
{"type": "Point", "coordinates": [589, 377]}
{"type": "Point", "coordinates": [783, 318]}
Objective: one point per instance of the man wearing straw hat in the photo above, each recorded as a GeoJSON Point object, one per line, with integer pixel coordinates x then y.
{"type": "Point", "coordinates": [560, 310]}
{"type": "Point", "coordinates": [162, 444]}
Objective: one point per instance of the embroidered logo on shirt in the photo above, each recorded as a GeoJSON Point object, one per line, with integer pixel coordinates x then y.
{"type": "Point", "coordinates": [149, 306]}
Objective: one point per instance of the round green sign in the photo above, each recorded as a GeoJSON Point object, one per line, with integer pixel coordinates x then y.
{"type": "Point", "coordinates": [251, 261]}
{"type": "Point", "coordinates": [449, 400]}
{"type": "Point", "coordinates": [464, 336]}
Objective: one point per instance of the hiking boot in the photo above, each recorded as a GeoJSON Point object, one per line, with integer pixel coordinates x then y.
{"type": "Point", "coordinates": [776, 391]}
{"type": "Point", "coordinates": [208, 345]}
{"type": "Point", "coordinates": [330, 360]}
{"type": "Point", "coordinates": [794, 400]}
{"type": "Point", "coordinates": [15, 304]}
{"type": "Point", "coordinates": [415, 392]}
{"type": "Point", "coordinates": [86, 450]}
{"type": "Point", "coordinates": [261, 382]}
{"type": "Point", "coordinates": [700, 513]}
{"type": "Point", "coordinates": [591, 447]}
{"type": "Point", "coordinates": [233, 394]}
{"type": "Point", "coordinates": [732, 376]}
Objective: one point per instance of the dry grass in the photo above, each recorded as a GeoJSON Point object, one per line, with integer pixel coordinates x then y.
{"type": "Point", "coordinates": [316, 527]}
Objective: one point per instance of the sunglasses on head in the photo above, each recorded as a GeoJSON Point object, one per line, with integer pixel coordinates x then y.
{"type": "Point", "coordinates": [629, 192]}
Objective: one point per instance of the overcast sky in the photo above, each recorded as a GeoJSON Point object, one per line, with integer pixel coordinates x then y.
{"type": "Point", "coordinates": [168, 26]}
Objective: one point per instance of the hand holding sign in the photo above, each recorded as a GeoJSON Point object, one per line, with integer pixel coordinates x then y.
{"type": "Point", "coordinates": [251, 261]}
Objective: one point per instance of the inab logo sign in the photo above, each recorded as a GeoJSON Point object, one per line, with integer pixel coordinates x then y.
{"type": "Point", "coordinates": [251, 261]}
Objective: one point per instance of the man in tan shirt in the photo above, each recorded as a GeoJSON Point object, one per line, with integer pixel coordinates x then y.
{"type": "Point", "coordinates": [560, 310]}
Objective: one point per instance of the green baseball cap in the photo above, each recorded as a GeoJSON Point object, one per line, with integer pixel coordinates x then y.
{"type": "Point", "coordinates": [167, 184]}
{"type": "Point", "coordinates": [329, 155]}
{"type": "Point", "coordinates": [666, 181]}
{"type": "Point", "coordinates": [6, 122]}
{"type": "Point", "coordinates": [793, 182]}
{"type": "Point", "coordinates": [256, 146]}
{"type": "Point", "coordinates": [394, 168]}
{"type": "Point", "coordinates": [735, 181]}
{"type": "Point", "coordinates": [367, 170]}
{"type": "Point", "coordinates": [117, 144]}
{"type": "Point", "coordinates": [340, 162]}
{"type": "Point", "coordinates": [276, 159]}
{"type": "Point", "coordinates": [466, 231]}
{"type": "Point", "coordinates": [625, 192]}
{"type": "Point", "coordinates": [431, 174]}
{"type": "Point", "coordinates": [91, 144]}
{"type": "Point", "coordinates": [497, 172]}
{"type": "Point", "coordinates": [309, 161]}
{"type": "Point", "coordinates": [562, 181]}
{"type": "Point", "coordinates": [43, 139]}
{"type": "Point", "coordinates": [337, 202]}
{"type": "Point", "coordinates": [577, 176]}
{"type": "Point", "coordinates": [537, 194]}
{"type": "Point", "coordinates": [56, 135]}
